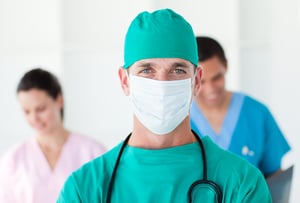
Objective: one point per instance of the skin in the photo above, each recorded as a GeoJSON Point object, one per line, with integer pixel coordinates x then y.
{"type": "Point", "coordinates": [163, 69]}
{"type": "Point", "coordinates": [42, 113]}
{"type": "Point", "coordinates": [213, 99]}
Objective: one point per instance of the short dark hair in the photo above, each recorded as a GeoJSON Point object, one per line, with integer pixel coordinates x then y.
{"type": "Point", "coordinates": [208, 48]}
{"type": "Point", "coordinates": [41, 79]}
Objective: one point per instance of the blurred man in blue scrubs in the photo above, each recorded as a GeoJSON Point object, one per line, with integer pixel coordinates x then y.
{"type": "Point", "coordinates": [233, 120]}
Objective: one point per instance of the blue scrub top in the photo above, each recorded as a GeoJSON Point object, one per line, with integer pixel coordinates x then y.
{"type": "Point", "coordinates": [248, 130]}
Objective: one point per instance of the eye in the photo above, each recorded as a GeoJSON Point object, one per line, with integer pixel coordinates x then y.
{"type": "Point", "coordinates": [179, 71]}
{"type": "Point", "coordinates": [146, 71]}
{"type": "Point", "coordinates": [41, 109]}
{"type": "Point", "coordinates": [26, 112]}
{"type": "Point", "coordinates": [218, 77]}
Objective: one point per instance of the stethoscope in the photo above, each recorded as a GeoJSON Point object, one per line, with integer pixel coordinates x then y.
{"type": "Point", "coordinates": [212, 185]}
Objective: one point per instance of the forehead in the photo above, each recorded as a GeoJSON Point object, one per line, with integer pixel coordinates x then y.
{"type": "Point", "coordinates": [33, 97]}
{"type": "Point", "coordinates": [212, 67]}
{"type": "Point", "coordinates": [162, 63]}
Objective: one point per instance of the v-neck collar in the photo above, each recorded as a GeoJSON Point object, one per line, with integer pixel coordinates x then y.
{"type": "Point", "coordinates": [223, 138]}
{"type": "Point", "coordinates": [43, 164]}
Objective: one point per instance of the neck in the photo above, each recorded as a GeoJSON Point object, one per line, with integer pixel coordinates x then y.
{"type": "Point", "coordinates": [55, 139]}
{"type": "Point", "coordinates": [143, 138]}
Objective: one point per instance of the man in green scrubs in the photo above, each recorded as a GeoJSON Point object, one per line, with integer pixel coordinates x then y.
{"type": "Point", "coordinates": [162, 158]}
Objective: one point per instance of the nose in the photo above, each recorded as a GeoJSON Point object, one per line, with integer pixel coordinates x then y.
{"type": "Point", "coordinates": [33, 118]}
{"type": "Point", "coordinates": [162, 76]}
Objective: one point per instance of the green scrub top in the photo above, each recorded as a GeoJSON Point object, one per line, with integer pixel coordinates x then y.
{"type": "Point", "coordinates": [165, 175]}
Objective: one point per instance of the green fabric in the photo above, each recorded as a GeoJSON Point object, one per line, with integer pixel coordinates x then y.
{"type": "Point", "coordinates": [161, 34]}
{"type": "Point", "coordinates": [164, 176]}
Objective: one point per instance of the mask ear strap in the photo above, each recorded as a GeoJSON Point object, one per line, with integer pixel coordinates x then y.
{"type": "Point", "coordinates": [195, 74]}
{"type": "Point", "coordinates": [127, 73]}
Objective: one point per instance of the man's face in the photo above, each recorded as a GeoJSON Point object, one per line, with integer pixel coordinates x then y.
{"type": "Point", "coordinates": [212, 91]}
{"type": "Point", "coordinates": [161, 91]}
{"type": "Point", "coordinates": [164, 69]}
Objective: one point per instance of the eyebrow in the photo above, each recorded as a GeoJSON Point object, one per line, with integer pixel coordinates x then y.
{"type": "Point", "coordinates": [217, 76]}
{"type": "Point", "coordinates": [174, 65]}
{"type": "Point", "coordinates": [179, 64]}
{"type": "Point", "coordinates": [145, 64]}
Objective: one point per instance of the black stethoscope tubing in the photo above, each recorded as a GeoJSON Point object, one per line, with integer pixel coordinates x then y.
{"type": "Point", "coordinates": [212, 184]}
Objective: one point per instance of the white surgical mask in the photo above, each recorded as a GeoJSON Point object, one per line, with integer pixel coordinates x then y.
{"type": "Point", "coordinates": [160, 105]}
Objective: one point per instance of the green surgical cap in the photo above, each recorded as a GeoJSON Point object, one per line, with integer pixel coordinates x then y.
{"type": "Point", "coordinates": [161, 34]}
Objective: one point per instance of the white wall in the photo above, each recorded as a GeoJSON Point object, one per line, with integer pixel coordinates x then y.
{"type": "Point", "coordinates": [269, 57]}
{"type": "Point", "coordinates": [82, 42]}
{"type": "Point", "coordinates": [29, 36]}
{"type": "Point", "coordinates": [93, 37]}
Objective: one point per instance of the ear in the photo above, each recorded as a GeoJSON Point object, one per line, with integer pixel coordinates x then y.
{"type": "Point", "coordinates": [225, 63]}
{"type": "Point", "coordinates": [198, 78]}
{"type": "Point", "coordinates": [60, 101]}
{"type": "Point", "coordinates": [124, 80]}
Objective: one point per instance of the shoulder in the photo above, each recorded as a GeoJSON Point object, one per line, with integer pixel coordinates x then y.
{"type": "Point", "coordinates": [218, 155]}
{"type": "Point", "coordinates": [252, 102]}
{"type": "Point", "coordinates": [237, 174]}
{"type": "Point", "coordinates": [86, 141]}
{"type": "Point", "coordinates": [18, 151]}
{"type": "Point", "coordinates": [98, 167]}
{"type": "Point", "coordinates": [16, 155]}
{"type": "Point", "coordinates": [90, 179]}
{"type": "Point", "coordinates": [228, 161]}
{"type": "Point", "coordinates": [254, 107]}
